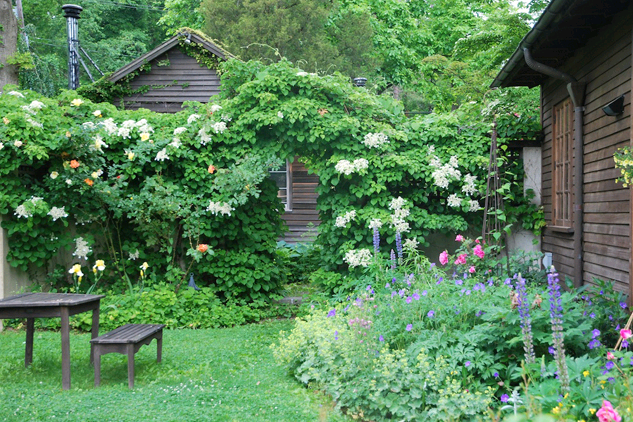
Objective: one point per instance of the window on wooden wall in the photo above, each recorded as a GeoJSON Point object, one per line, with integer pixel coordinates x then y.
{"type": "Point", "coordinates": [283, 178]}
{"type": "Point", "coordinates": [562, 164]}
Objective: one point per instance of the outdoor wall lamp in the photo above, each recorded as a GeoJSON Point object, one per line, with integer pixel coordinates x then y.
{"type": "Point", "coordinates": [360, 81]}
{"type": "Point", "coordinates": [615, 107]}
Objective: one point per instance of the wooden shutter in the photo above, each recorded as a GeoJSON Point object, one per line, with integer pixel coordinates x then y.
{"type": "Point", "coordinates": [562, 164]}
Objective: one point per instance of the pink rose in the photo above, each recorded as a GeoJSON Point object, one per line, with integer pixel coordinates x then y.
{"type": "Point", "coordinates": [607, 413]}
{"type": "Point", "coordinates": [610, 356]}
{"type": "Point", "coordinates": [461, 259]}
{"type": "Point", "coordinates": [471, 269]}
{"type": "Point", "coordinates": [444, 258]}
{"type": "Point", "coordinates": [459, 238]}
{"type": "Point", "coordinates": [479, 251]}
{"type": "Point", "coordinates": [625, 334]}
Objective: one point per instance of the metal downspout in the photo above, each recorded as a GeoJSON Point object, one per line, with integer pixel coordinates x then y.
{"type": "Point", "coordinates": [577, 94]}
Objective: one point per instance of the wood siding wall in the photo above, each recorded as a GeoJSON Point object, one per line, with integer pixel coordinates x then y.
{"type": "Point", "coordinates": [303, 219]}
{"type": "Point", "coordinates": [604, 64]}
{"type": "Point", "coordinates": [182, 80]}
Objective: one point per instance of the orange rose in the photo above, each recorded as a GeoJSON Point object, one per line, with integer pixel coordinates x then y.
{"type": "Point", "coordinates": [88, 181]}
{"type": "Point", "coordinates": [203, 247]}
{"type": "Point", "coordinates": [74, 164]}
{"type": "Point", "coordinates": [211, 169]}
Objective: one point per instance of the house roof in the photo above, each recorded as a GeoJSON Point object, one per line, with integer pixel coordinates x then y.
{"type": "Point", "coordinates": [564, 26]}
{"type": "Point", "coordinates": [183, 34]}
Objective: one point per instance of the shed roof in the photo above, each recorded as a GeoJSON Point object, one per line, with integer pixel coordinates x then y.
{"type": "Point", "coordinates": [564, 26]}
{"type": "Point", "coordinates": [183, 34]}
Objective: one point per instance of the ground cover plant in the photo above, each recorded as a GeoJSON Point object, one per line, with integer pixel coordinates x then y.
{"type": "Point", "coordinates": [456, 340]}
{"type": "Point", "coordinates": [220, 375]}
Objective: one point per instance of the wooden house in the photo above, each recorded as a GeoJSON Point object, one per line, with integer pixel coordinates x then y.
{"type": "Point", "coordinates": [580, 53]}
{"type": "Point", "coordinates": [183, 69]}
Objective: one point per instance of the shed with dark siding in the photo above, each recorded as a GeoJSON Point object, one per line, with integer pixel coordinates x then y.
{"type": "Point", "coordinates": [591, 41]}
{"type": "Point", "coordinates": [172, 75]}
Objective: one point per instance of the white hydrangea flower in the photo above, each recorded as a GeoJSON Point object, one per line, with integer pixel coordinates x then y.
{"type": "Point", "coordinates": [226, 118]}
{"type": "Point", "coordinates": [88, 125]}
{"type": "Point", "coordinates": [375, 140]}
{"type": "Point", "coordinates": [179, 130]}
{"type": "Point", "coordinates": [16, 94]}
{"type": "Point", "coordinates": [109, 126]}
{"type": "Point", "coordinates": [134, 255]}
{"type": "Point", "coordinates": [128, 124]}
{"type": "Point", "coordinates": [280, 115]}
{"type": "Point", "coordinates": [34, 123]}
{"type": "Point", "coordinates": [146, 129]}
{"type": "Point", "coordinates": [219, 127]}
{"type": "Point", "coordinates": [435, 162]}
{"type": "Point", "coordinates": [473, 205]}
{"type": "Point", "coordinates": [220, 208]}
{"type": "Point", "coordinates": [22, 212]}
{"type": "Point", "coordinates": [124, 132]}
{"type": "Point", "coordinates": [453, 162]}
{"type": "Point", "coordinates": [431, 149]}
{"type": "Point", "coordinates": [376, 223]}
{"type": "Point", "coordinates": [401, 213]}
{"type": "Point", "coordinates": [302, 73]}
{"type": "Point", "coordinates": [176, 143]}
{"type": "Point", "coordinates": [358, 258]}
{"type": "Point", "coordinates": [360, 164]}
{"type": "Point", "coordinates": [193, 118]}
{"type": "Point", "coordinates": [204, 136]}
{"type": "Point", "coordinates": [342, 221]}
{"type": "Point", "coordinates": [469, 187]}
{"type": "Point", "coordinates": [162, 155]}
{"type": "Point", "coordinates": [215, 107]}
{"type": "Point", "coordinates": [454, 201]}
{"type": "Point", "coordinates": [397, 203]}
{"type": "Point", "coordinates": [82, 249]}
{"type": "Point", "coordinates": [57, 213]}
{"type": "Point", "coordinates": [345, 167]}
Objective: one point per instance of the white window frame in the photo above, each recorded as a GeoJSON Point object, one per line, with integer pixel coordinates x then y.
{"type": "Point", "coordinates": [288, 173]}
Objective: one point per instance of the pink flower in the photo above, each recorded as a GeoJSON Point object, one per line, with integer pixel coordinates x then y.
{"type": "Point", "coordinates": [479, 251]}
{"type": "Point", "coordinates": [461, 259]}
{"type": "Point", "coordinates": [459, 238]}
{"type": "Point", "coordinates": [607, 413]}
{"type": "Point", "coordinates": [625, 334]}
{"type": "Point", "coordinates": [610, 356]}
{"type": "Point", "coordinates": [471, 269]}
{"type": "Point", "coordinates": [444, 258]}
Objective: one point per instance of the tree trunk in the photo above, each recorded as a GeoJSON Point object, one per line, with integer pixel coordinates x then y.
{"type": "Point", "coordinates": [9, 44]}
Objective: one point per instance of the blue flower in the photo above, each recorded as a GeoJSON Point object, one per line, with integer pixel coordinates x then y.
{"type": "Point", "coordinates": [368, 287]}
{"type": "Point", "coordinates": [610, 365]}
{"type": "Point", "coordinates": [331, 313]}
{"type": "Point", "coordinates": [496, 375]}
{"type": "Point", "coordinates": [408, 299]}
{"type": "Point", "coordinates": [551, 350]}
{"type": "Point", "coordinates": [459, 282]}
{"type": "Point", "coordinates": [409, 327]}
{"type": "Point", "coordinates": [424, 292]}
{"type": "Point", "coordinates": [431, 314]}
{"type": "Point", "coordinates": [381, 338]}
{"type": "Point", "coordinates": [467, 364]}
{"type": "Point", "coordinates": [592, 315]}
{"type": "Point", "coordinates": [505, 398]}
{"type": "Point", "coordinates": [595, 333]}
{"type": "Point", "coordinates": [623, 305]}
{"type": "Point", "coordinates": [416, 296]}
{"type": "Point", "coordinates": [625, 344]}
{"type": "Point", "coordinates": [335, 335]}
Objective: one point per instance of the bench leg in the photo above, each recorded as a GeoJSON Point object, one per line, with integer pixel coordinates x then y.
{"type": "Point", "coordinates": [28, 355]}
{"type": "Point", "coordinates": [130, 365]}
{"type": "Point", "coordinates": [96, 352]}
{"type": "Point", "coordinates": [159, 347]}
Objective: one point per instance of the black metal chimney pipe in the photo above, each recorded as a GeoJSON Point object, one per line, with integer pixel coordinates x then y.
{"type": "Point", "coordinates": [71, 13]}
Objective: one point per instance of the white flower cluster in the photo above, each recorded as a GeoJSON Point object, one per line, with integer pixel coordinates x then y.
{"type": "Point", "coordinates": [193, 118]}
{"type": "Point", "coordinates": [219, 127]}
{"type": "Point", "coordinates": [346, 167]}
{"type": "Point", "coordinates": [16, 94]}
{"type": "Point", "coordinates": [176, 143]}
{"type": "Point", "coordinates": [143, 126]}
{"type": "Point", "coordinates": [179, 130]}
{"type": "Point", "coordinates": [410, 245]}
{"type": "Point", "coordinates": [33, 107]}
{"type": "Point", "coordinates": [375, 140]}
{"type": "Point", "coordinates": [82, 249]}
{"type": "Point", "coordinates": [57, 213]}
{"type": "Point", "coordinates": [24, 210]}
{"type": "Point", "coordinates": [444, 173]}
{"type": "Point", "coordinates": [204, 136]}
{"type": "Point", "coordinates": [358, 257]}
{"type": "Point", "coordinates": [109, 125]}
{"type": "Point", "coordinates": [454, 201]}
{"type": "Point", "coordinates": [220, 207]}
{"type": "Point", "coordinates": [215, 107]}
{"type": "Point", "coordinates": [134, 255]}
{"type": "Point", "coordinates": [302, 73]}
{"type": "Point", "coordinates": [99, 144]}
{"type": "Point", "coordinates": [399, 214]}
{"type": "Point", "coordinates": [226, 118]}
{"type": "Point", "coordinates": [376, 223]}
{"type": "Point", "coordinates": [280, 115]}
{"type": "Point", "coordinates": [34, 123]}
{"type": "Point", "coordinates": [17, 144]}
{"type": "Point", "coordinates": [469, 187]}
{"type": "Point", "coordinates": [162, 155]}
{"type": "Point", "coordinates": [124, 132]}
{"type": "Point", "coordinates": [88, 125]}
{"type": "Point", "coordinates": [473, 205]}
{"type": "Point", "coordinates": [342, 221]}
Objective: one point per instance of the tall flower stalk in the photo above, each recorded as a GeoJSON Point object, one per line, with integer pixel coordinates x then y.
{"type": "Point", "coordinates": [556, 316]}
{"type": "Point", "coordinates": [526, 321]}
{"type": "Point", "coordinates": [399, 246]}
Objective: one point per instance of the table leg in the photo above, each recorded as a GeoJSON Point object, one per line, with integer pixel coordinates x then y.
{"type": "Point", "coordinates": [95, 329]}
{"type": "Point", "coordinates": [65, 348]}
{"type": "Point", "coordinates": [28, 355]}
{"type": "Point", "coordinates": [130, 366]}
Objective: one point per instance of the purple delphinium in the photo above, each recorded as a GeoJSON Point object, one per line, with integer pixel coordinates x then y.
{"type": "Point", "coordinates": [393, 260]}
{"type": "Point", "coordinates": [335, 335]}
{"type": "Point", "coordinates": [526, 321]}
{"type": "Point", "coordinates": [556, 316]}
{"type": "Point", "coordinates": [399, 245]}
{"type": "Point", "coordinates": [376, 241]}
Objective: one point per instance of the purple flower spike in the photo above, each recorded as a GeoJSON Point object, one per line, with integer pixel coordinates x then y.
{"type": "Point", "coordinates": [381, 338]}
{"type": "Point", "coordinates": [331, 313]}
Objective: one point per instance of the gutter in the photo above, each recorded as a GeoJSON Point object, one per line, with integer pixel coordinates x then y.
{"type": "Point", "coordinates": [577, 94]}
{"type": "Point", "coordinates": [553, 12]}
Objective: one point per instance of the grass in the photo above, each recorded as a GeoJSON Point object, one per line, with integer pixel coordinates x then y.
{"type": "Point", "coordinates": [212, 375]}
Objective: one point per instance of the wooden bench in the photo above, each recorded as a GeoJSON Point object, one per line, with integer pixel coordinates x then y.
{"type": "Point", "coordinates": [126, 340]}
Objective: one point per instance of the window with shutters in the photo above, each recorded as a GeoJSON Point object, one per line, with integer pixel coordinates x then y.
{"type": "Point", "coordinates": [562, 164]}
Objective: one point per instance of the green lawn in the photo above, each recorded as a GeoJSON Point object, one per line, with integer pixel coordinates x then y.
{"type": "Point", "coordinates": [216, 375]}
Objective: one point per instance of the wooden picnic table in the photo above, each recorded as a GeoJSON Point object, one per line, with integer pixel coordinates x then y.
{"type": "Point", "coordinates": [52, 305]}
